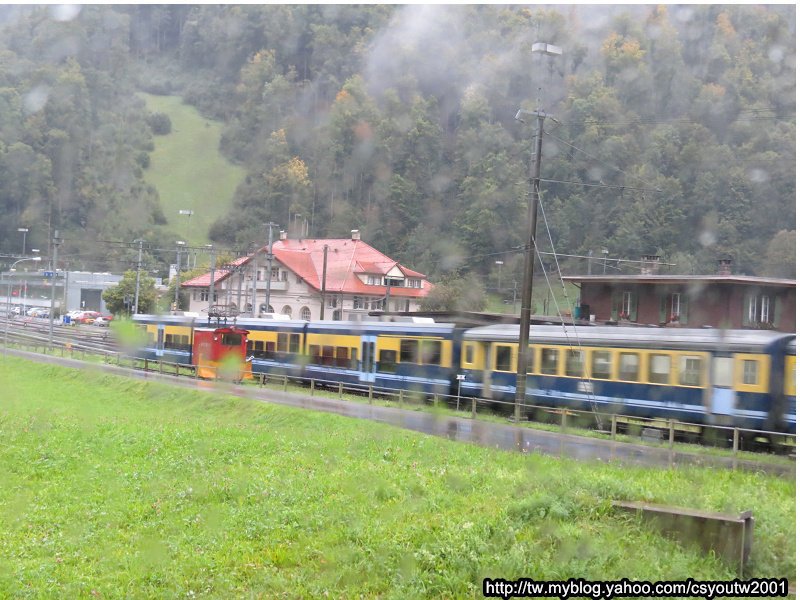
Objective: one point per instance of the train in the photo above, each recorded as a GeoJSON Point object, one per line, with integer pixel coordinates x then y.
{"type": "Point", "coordinates": [738, 378]}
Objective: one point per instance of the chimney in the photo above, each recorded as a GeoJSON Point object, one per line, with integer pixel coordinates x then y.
{"type": "Point", "coordinates": [282, 235]}
{"type": "Point", "coordinates": [355, 234]}
{"type": "Point", "coordinates": [650, 264]}
{"type": "Point", "coordinates": [724, 267]}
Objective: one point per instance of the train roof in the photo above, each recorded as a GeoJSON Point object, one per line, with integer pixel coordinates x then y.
{"type": "Point", "coordinates": [657, 337]}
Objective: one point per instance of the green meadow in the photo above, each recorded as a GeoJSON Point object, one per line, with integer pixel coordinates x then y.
{"type": "Point", "coordinates": [115, 487]}
{"type": "Point", "coordinates": [188, 171]}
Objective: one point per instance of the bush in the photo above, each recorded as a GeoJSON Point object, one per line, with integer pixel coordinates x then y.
{"type": "Point", "coordinates": [159, 123]}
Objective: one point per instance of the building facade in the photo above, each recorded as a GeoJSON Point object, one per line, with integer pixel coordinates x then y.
{"type": "Point", "coordinates": [725, 301]}
{"type": "Point", "coordinates": [337, 279]}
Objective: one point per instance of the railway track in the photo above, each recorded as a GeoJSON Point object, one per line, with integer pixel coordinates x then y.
{"type": "Point", "coordinates": [35, 331]}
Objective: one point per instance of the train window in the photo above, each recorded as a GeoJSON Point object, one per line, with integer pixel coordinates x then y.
{"type": "Point", "coordinates": [294, 343]}
{"type": "Point", "coordinates": [342, 357]}
{"type": "Point", "coordinates": [690, 370]}
{"type": "Point", "coordinates": [502, 358]}
{"type": "Point", "coordinates": [232, 339]}
{"type": "Point", "coordinates": [353, 358]}
{"type": "Point", "coordinates": [283, 342]}
{"type": "Point", "coordinates": [629, 366]}
{"type": "Point", "coordinates": [314, 354]}
{"type": "Point", "coordinates": [658, 370]}
{"type": "Point", "coordinates": [469, 354]}
{"type": "Point", "coordinates": [431, 352]}
{"type": "Point", "coordinates": [408, 351]}
{"type": "Point", "coordinates": [387, 361]}
{"type": "Point", "coordinates": [532, 362]}
{"type": "Point", "coordinates": [575, 363]}
{"type": "Point", "coordinates": [549, 361]}
{"type": "Point", "coordinates": [327, 355]}
{"type": "Point", "coordinates": [269, 349]}
{"type": "Point", "coordinates": [750, 372]}
{"type": "Point", "coordinates": [601, 364]}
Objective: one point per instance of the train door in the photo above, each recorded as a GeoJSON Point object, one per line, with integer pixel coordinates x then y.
{"type": "Point", "coordinates": [160, 340]}
{"type": "Point", "coordinates": [367, 374]}
{"type": "Point", "coordinates": [723, 397]}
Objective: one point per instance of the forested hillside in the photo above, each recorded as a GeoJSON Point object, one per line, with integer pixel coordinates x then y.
{"type": "Point", "coordinates": [673, 128]}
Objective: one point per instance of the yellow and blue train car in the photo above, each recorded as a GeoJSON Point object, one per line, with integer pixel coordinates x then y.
{"type": "Point", "coordinates": [711, 376]}
{"type": "Point", "coordinates": [169, 338]}
{"type": "Point", "coordinates": [409, 355]}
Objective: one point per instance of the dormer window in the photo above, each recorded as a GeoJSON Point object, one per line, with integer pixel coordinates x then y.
{"type": "Point", "coordinates": [414, 283]}
{"type": "Point", "coordinates": [392, 282]}
{"type": "Point", "coordinates": [374, 280]}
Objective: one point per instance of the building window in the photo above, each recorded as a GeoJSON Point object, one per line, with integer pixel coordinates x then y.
{"type": "Point", "coordinates": [332, 301]}
{"type": "Point", "coordinates": [392, 282]}
{"type": "Point", "coordinates": [415, 283]}
{"type": "Point", "coordinates": [287, 310]}
{"type": "Point", "coordinates": [358, 302]}
{"type": "Point", "coordinates": [624, 305]}
{"type": "Point", "coordinates": [305, 313]}
{"type": "Point", "coordinates": [275, 274]}
{"type": "Point", "coordinates": [299, 279]}
{"type": "Point", "coordinates": [284, 275]}
{"type": "Point", "coordinates": [759, 310]}
{"type": "Point", "coordinates": [203, 296]}
{"type": "Point", "coordinates": [675, 307]}
{"type": "Point", "coordinates": [374, 280]}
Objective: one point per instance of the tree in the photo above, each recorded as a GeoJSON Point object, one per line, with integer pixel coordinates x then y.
{"type": "Point", "coordinates": [779, 259]}
{"type": "Point", "coordinates": [120, 298]}
{"type": "Point", "coordinates": [457, 293]}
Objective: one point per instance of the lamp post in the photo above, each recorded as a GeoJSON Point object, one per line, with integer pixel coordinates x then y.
{"type": "Point", "coordinates": [24, 232]}
{"type": "Point", "coordinates": [499, 264]}
{"type": "Point", "coordinates": [56, 244]}
{"type": "Point", "coordinates": [8, 296]}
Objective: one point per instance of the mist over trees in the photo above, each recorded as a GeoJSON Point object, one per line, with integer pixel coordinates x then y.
{"type": "Point", "coordinates": [674, 130]}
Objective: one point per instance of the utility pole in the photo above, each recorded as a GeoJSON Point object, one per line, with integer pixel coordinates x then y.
{"type": "Point", "coordinates": [269, 261]}
{"type": "Point", "coordinates": [138, 268]}
{"type": "Point", "coordinates": [324, 276]}
{"type": "Point", "coordinates": [56, 243]}
{"type": "Point", "coordinates": [255, 280]}
{"type": "Point", "coordinates": [211, 283]}
{"type": "Point", "coordinates": [523, 360]}
{"type": "Point", "coordinates": [178, 276]}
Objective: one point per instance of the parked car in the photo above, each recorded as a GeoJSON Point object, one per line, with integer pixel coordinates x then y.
{"type": "Point", "coordinates": [101, 321]}
{"type": "Point", "coordinates": [87, 317]}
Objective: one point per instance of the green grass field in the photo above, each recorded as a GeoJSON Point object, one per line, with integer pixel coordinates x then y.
{"type": "Point", "coordinates": [188, 171]}
{"type": "Point", "coordinates": [120, 488]}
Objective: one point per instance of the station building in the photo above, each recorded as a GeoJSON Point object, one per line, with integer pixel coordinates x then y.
{"type": "Point", "coordinates": [336, 279]}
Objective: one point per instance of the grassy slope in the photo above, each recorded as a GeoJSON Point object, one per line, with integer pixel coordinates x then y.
{"type": "Point", "coordinates": [188, 171]}
{"type": "Point", "coordinates": [141, 490]}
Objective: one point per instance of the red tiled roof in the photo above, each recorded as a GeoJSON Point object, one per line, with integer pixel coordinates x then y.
{"type": "Point", "coordinates": [346, 258]}
{"type": "Point", "coordinates": [219, 274]}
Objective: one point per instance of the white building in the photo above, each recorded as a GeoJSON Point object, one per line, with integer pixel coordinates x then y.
{"type": "Point", "coordinates": [353, 277]}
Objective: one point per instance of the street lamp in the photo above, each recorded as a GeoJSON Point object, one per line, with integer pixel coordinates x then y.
{"type": "Point", "coordinates": [8, 296]}
{"type": "Point", "coordinates": [24, 232]}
